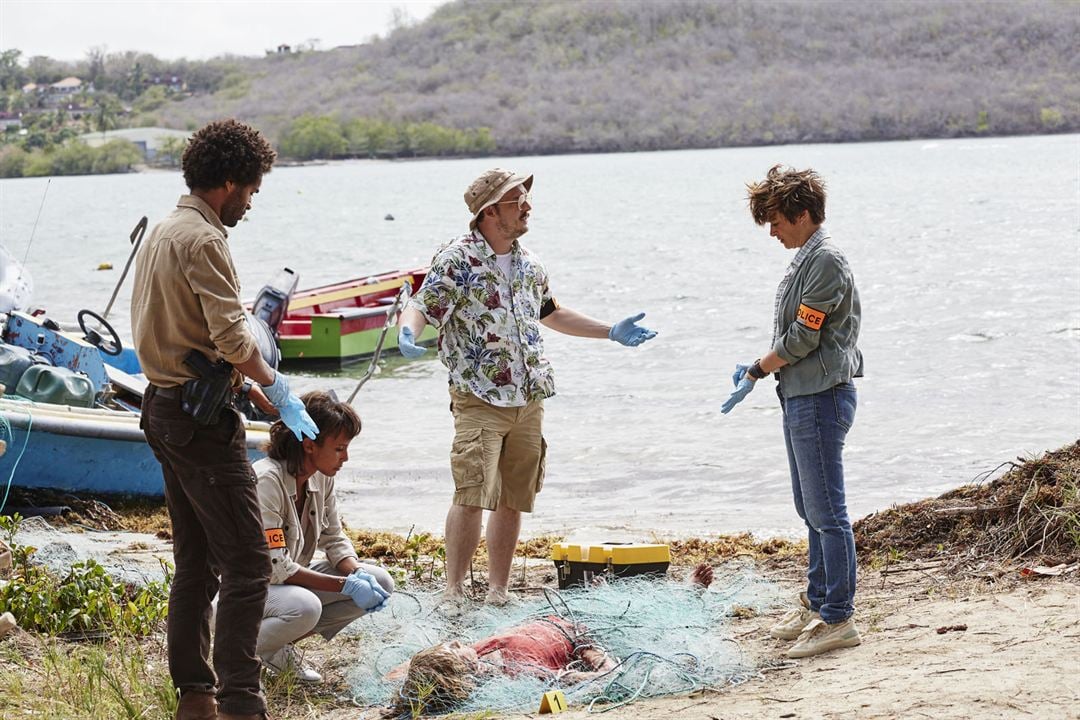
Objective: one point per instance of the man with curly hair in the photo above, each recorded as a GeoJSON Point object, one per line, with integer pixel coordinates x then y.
{"type": "Point", "coordinates": [489, 296]}
{"type": "Point", "coordinates": [186, 300]}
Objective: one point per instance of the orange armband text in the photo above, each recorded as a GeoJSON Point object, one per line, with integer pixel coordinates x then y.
{"type": "Point", "coordinates": [275, 538]}
{"type": "Point", "coordinates": [810, 317]}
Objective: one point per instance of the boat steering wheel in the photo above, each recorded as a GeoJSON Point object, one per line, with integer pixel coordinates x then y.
{"type": "Point", "coordinates": [109, 347]}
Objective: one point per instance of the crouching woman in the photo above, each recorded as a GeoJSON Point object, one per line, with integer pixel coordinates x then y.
{"type": "Point", "coordinates": [300, 516]}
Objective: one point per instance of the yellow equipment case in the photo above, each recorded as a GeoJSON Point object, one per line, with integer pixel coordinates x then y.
{"type": "Point", "coordinates": [579, 564]}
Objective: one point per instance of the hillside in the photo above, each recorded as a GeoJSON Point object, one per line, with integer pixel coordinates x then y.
{"type": "Point", "coordinates": [557, 76]}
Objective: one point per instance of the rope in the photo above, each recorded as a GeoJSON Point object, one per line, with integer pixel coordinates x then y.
{"type": "Point", "coordinates": [34, 229]}
{"type": "Point", "coordinates": [11, 476]}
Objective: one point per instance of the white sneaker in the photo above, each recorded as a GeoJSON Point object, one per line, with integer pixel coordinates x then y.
{"type": "Point", "coordinates": [794, 621]}
{"type": "Point", "coordinates": [819, 637]}
{"type": "Point", "coordinates": [288, 660]}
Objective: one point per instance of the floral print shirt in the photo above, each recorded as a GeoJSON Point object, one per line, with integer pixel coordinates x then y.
{"type": "Point", "coordinates": [489, 328]}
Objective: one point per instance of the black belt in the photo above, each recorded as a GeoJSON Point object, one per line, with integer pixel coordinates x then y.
{"type": "Point", "coordinates": [169, 393]}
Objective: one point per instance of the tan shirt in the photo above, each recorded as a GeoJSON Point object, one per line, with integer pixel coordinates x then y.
{"type": "Point", "coordinates": [187, 296]}
{"type": "Point", "coordinates": [294, 536]}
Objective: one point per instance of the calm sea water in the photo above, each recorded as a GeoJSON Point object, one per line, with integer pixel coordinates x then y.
{"type": "Point", "coordinates": [966, 253]}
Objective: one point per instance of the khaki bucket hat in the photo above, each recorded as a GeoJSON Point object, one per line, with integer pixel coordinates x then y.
{"type": "Point", "coordinates": [489, 188]}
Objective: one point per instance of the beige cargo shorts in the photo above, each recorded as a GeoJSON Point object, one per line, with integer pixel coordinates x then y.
{"type": "Point", "coordinates": [499, 454]}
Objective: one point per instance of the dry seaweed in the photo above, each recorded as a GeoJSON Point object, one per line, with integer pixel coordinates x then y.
{"type": "Point", "coordinates": [1031, 511]}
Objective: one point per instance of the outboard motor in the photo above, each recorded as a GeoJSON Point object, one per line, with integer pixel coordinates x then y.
{"type": "Point", "coordinates": [264, 340]}
{"type": "Point", "coordinates": [268, 349]}
{"type": "Point", "coordinates": [273, 300]}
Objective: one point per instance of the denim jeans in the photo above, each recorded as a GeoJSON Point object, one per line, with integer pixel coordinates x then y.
{"type": "Point", "coordinates": [814, 430]}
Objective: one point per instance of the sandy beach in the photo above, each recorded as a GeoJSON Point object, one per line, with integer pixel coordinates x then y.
{"type": "Point", "coordinates": [956, 622]}
{"type": "Point", "coordinates": [996, 645]}
{"type": "Point", "coordinates": [934, 646]}
{"type": "Point", "coordinates": [1017, 657]}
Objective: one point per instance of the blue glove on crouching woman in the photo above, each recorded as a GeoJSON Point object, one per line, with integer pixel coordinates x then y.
{"type": "Point", "coordinates": [365, 591]}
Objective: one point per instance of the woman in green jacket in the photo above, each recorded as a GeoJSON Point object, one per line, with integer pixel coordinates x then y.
{"type": "Point", "coordinates": [814, 356]}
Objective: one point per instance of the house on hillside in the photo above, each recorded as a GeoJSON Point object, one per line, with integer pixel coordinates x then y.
{"type": "Point", "coordinates": [67, 86]}
{"type": "Point", "coordinates": [59, 93]}
{"type": "Point", "coordinates": [147, 139]}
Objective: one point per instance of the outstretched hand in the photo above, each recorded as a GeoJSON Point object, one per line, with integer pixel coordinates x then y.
{"type": "Point", "coordinates": [627, 332]}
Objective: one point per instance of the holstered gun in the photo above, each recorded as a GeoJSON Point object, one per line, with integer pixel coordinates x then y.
{"type": "Point", "coordinates": [204, 397]}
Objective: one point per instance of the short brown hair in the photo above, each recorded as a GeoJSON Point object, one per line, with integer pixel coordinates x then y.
{"type": "Point", "coordinates": [226, 151]}
{"type": "Point", "coordinates": [788, 192]}
{"type": "Point", "coordinates": [330, 415]}
{"type": "Point", "coordinates": [438, 681]}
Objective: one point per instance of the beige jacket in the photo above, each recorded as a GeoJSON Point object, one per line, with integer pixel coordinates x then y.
{"type": "Point", "coordinates": [293, 538]}
{"type": "Point", "coordinates": [187, 296]}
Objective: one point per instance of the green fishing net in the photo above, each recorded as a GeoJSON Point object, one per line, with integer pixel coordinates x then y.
{"type": "Point", "coordinates": [667, 638]}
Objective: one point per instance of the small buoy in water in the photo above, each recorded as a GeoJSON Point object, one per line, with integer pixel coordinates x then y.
{"type": "Point", "coordinates": [105, 266]}
{"type": "Point", "coordinates": [388, 217]}
{"type": "Point", "coordinates": [3, 447]}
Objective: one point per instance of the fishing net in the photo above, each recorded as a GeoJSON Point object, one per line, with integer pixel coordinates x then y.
{"type": "Point", "coordinates": [667, 638]}
{"type": "Point", "coordinates": [131, 557]}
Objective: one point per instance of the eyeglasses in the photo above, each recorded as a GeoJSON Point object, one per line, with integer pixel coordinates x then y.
{"type": "Point", "coordinates": [520, 200]}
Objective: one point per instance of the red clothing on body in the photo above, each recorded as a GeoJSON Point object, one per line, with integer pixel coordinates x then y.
{"type": "Point", "coordinates": [545, 643]}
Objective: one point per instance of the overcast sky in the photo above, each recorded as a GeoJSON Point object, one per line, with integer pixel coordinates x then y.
{"type": "Point", "coordinates": [193, 29]}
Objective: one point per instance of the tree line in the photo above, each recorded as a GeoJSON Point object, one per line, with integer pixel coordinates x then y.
{"type": "Point", "coordinates": [312, 137]}
{"type": "Point", "coordinates": [555, 76]}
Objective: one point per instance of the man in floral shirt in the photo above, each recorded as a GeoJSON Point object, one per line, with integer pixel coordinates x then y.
{"type": "Point", "coordinates": [488, 296]}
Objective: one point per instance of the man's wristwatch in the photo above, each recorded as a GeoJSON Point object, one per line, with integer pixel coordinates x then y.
{"type": "Point", "coordinates": [756, 372]}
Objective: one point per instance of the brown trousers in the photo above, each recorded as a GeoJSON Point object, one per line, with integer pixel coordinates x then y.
{"type": "Point", "coordinates": [217, 530]}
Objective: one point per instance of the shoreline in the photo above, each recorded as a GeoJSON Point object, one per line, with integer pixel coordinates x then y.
{"type": "Point", "coordinates": [141, 168]}
{"type": "Point", "coordinates": [968, 605]}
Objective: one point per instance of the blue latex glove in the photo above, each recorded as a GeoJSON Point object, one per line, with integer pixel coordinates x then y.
{"type": "Point", "coordinates": [627, 332]}
{"type": "Point", "coordinates": [277, 392]}
{"type": "Point", "coordinates": [365, 591]}
{"type": "Point", "coordinates": [290, 408]}
{"type": "Point", "coordinates": [406, 343]}
{"type": "Point", "coordinates": [743, 385]}
{"type": "Point", "coordinates": [296, 418]}
{"type": "Point", "coordinates": [740, 373]}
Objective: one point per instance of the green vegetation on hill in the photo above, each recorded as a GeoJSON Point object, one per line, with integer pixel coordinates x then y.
{"type": "Point", "coordinates": [310, 137]}
{"type": "Point", "coordinates": [556, 76]}
{"type": "Point", "coordinates": [485, 77]}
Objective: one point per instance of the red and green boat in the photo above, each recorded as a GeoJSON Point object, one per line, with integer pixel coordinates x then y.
{"type": "Point", "coordinates": [341, 324]}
